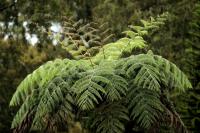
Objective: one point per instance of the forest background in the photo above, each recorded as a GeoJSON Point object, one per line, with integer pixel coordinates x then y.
{"type": "Point", "coordinates": [24, 46]}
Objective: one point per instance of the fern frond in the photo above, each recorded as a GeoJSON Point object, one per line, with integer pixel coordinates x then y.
{"type": "Point", "coordinates": [133, 40]}
{"type": "Point", "coordinates": [88, 90]}
{"type": "Point", "coordinates": [86, 35]}
{"type": "Point", "coordinates": [41, 76]}
{"type": "Point", "coordinates": [50, 92]}
{"type": "Point", "coordinates": [116, 88]}
{"type": "Point", "coordinates": [152, 71]}
{"type": "Point", "coordinates": [38, 79]}
{"type": "Point", "coordinates": [114, 51]}
{"type": "Point", "coordinates": [50, 99]}
{"type": "Point", "coordinates": [27, 107]}
{"type": "Point", "coordinates": [56, 99]}
{"type": "Point", "coordinates": [96, 84]}
{"type": "Point", "coordinates": [110, 118]}
{"type": "Point", "coordinates": [56, 96]}
{"type": "Point", "coordinates": [172, 75]}
{"type": "Point", "coordinates": [151, 76]}
{"type": "Point", "coordinates": [145, 106]}
{"type": "Point", "coordinates": [142, 69]}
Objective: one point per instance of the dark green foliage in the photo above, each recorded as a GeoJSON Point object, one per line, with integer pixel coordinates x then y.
{"type": "Point", "coordinates": [193, 46]}
{"type": "Point", "coordinates": [145, 106]}
{"type": "Point", "coordinates": [118, 13]}
{"type": "Point", "coordinates": [189, 104]}
{"type": "Point", "coordinates": [110, 118]}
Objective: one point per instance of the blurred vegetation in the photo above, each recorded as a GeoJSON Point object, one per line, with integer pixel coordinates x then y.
{"type": "Point", "coordinates": [189, 104]}
{"type": "Point", "coordinates": [178, 40]}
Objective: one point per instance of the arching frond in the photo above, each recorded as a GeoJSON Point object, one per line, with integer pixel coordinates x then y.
{"type": "Point", "coordinates": [142, 69]}
{"type": "Point", "coordinates": [134, 39]}
{"type": "Point", "coordinates": [41, 76]}
{"type": "Point", "coordinates": [172, 75]}
{"type": "Point", "coordinates": [152, 71]}
{"type": "Point", "coordinates": [38, 79]}
{"type": "Point", "coordinates": [51, 96]}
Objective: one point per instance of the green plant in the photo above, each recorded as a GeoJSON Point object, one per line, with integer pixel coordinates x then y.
{"type": "Point", "coordinates": [105, 93]}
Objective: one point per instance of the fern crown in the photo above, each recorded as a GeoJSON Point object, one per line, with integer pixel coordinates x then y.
{"type": "Point", "coordinates": [116, 89]}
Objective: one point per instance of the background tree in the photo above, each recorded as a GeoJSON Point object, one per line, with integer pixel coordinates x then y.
{"type": "Point", "coordinates": [189, 104]}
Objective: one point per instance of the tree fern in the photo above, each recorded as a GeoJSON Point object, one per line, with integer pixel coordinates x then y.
{"type": "Point", "coordinates": [115, 89]}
